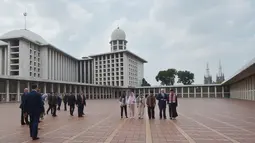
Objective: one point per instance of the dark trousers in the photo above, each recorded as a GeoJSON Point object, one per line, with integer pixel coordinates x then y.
{"type": "Point", "coordinates": [59, 106]}
{"type": "Point", "coordinates": [49, 109]}
{"type": "Point", "coordinates": [125, 110]}
{"type": "Point", "coordinates": [83, 110]}
{"type": "Point", "coordinates": [65, 106]}
{"type": "Point", "coordinates": [71, 109]}
{"type": "Point", "coordinates": [33, 125]}
{"type": "Point", "coordinates": [54, 110]}
{"type": "Point", "coordinates": [172, 110]}
{"type": "Point", "coordinates": [151, 112]}
{"type": "Point", "coordinates": [24, 119]}
{"type": "Point", "coordinates": [80, 110]}
{"type": "Point", "coordinates": [162, 110]}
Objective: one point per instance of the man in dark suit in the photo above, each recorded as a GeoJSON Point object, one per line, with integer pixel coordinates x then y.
{"type": "Point", "coordinates": [50, 103]}
{"type": "Point", "coordinates": [54, 104]}
{"type": "Point", "coordinates": [65, 100]}
{"type": "Point", "coordinates": [81, 102]}
{"type": "Point", "coordinates": [71, 103]}
{"type": "Point", "coordinates": [162, 99]}
{"type": "Point", "coordinates": [33, 107]}
{"type": "Point", "coordinates": [23, 98]}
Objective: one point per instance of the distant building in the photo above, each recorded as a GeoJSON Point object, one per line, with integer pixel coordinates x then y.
{"type": "Point", "coordinates": [220, 76]}
{"type": "Point", "coordinates": [208, 77]}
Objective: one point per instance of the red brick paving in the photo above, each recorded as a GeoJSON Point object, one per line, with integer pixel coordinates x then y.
{"type": "Point", "coordinates": [200, 121]}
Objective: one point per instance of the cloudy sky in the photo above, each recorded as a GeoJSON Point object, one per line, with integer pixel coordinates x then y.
{"type": "Point", "coordinates": [181, 34]}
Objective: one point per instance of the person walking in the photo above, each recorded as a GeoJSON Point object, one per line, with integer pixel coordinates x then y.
{"type": "Point", "coordinates": [151, 103]}
{"type": "Point", "coordinates": [33, 107]}
{"type": "Point", "coordinates": [140, 105]}
{"type": "Point", "coordinates": [172, 104]}
{"type": "Point", "coordinates": [123, 104]}
{"type": "Point", "coordinates": [24, 119]}
{"type": "Point", "coordinates": [131, 104]}
{"type": "Point", "coordinates": [162, 99]}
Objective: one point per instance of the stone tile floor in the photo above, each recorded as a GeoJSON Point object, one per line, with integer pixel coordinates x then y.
{"type": "Point", "coordinates": [200, 121]}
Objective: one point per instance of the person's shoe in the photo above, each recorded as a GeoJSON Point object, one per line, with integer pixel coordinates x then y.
{"type": "Point", "coordinates": [22, 123]}
{"type": "Point", "coordinates": [126, 116]}
{"type": "Point", "coordinates": [36, 138]}
{"type": "Point", "coordinates": [121, 117]}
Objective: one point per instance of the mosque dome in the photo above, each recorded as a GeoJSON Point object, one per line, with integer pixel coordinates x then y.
{"type": "Point", "coordinates": [25, 34]}
{"type": "Point", "coordinates": [118, 34]}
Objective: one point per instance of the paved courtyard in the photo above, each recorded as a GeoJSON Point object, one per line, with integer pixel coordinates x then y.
{"type": "Point", "coordinates": [199, 121]}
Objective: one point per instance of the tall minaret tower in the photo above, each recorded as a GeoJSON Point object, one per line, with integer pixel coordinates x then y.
{"type": "Point", "coordinates": [118, 40]}
{"type": "Point", "coordinates": [207, 77]}
{"type": "Point", "coordinates": [220, 76]}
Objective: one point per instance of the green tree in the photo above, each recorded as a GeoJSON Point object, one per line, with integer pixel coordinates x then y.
{"type": "Point", "coordinates": [166, 77]}
{"type": "Point", "coordinates": [145, 83]}
{"type": "Point", "coordinates": [185, 77]}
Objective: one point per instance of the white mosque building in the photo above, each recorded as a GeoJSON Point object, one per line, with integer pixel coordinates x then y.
{"type": "Point", "coordinates": [26, 54]}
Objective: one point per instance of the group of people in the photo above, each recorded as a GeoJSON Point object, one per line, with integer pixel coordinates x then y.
{"type": "Point", "coordinates": [142, 101]}
{"type": "Point", "coordinates": [32, 106]}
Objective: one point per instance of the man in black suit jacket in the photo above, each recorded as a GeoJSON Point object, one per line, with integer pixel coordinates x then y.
{"type": "Point", "coordinates": [24, 119]}
{"type": "Point", "coordinates": [71, 103]}
{"type": "Point", "coordinates": [65, 100]}
{"type": "Point", "coordinates": [162, 99]}
{"type": "Point", "coordinates": [81, 102]}
{"type": "Point", "coordinates": [33, 107]}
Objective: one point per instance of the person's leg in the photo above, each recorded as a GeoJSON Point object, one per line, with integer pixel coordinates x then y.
{"type": "Point", "coordinates": [142, 111]}
{"type": "Point", "coordinates": [170, 111]}
{"type": "Point", "coordinates": [149, 112]}
{"type": "Point", "coordinates": [139, 112]}
{"type": "Point", "coordinates": [22, 118]}
{"type": "Point", "coordinates": [65, 106]}
{"type": "Point", "coordinates": [35, 126]}
{"type": "Point", "coordinates": [133, 110]}
{"type": "Point", "coordinates": [31, 125]}
{"type": "Point", "coordinates": [49, 108]}
{"type": "Point", "coordinates": [160, 112]}
{"type": "Point", "coordinates": [125, 110]}
{"type": "Point", "coordinates": [121, 111]}
{"type": "Point", "coordinates": [164, 112]}
{"type": "Point", "coordinates": [153, 112]}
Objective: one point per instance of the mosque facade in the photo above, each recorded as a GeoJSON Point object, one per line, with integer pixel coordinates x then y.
{"type": "Point", "coordinates": [26, 54]}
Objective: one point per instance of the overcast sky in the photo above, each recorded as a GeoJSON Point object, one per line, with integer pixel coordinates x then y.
{"type": "Point", "coordinates": [181, 34]}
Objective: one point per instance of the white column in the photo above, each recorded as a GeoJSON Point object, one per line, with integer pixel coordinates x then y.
{"type": "Point", "coordinates": [202, 94]}
{"type": "Point", "coordinates": [1, 57]}
{"type": "Point", "coordinates": [49, 66]}
{"type": "Point", "coordinates": [58, 88]}
{"type": "Point", "coordinates": [176, 91]}
{"type": "Point", "coordinates": [208, 92]}
{"type": "Point", "coordinates": [93, 92]}
{"type": "Point", "coordinates": [65, 88]}
{"type": "Point", "coordinates": [222, 92]}
{"type": "Point", "coordinates": [70, 88]}
{"type": "Point", "coordinates": [7, 91]}
{"type": "Point", "coordinates": [188, 92]}
{"type": "Point", "coordinates": [89, 92]}
{"type": "Point", "coordinates": [215, 91]}
{"type": "Point", "coordinates": [5, 62]}
{"type": "Point", "coordinates": [28, 86]}
{"type": "Point", "coordinates": [18, 90]}
{"type": "Point", "coordinates": [195, 92]}
{"type": "Point", "coordinates": [75, 90]}
{"type": "Point", "coordinates": [52, 87]}
{"type": "Point", "coordinates": [8, 61]}
{"type": "Point", "coordinates": [182, 92]}
{"type": "Point", "coordinates": [44, 88]}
